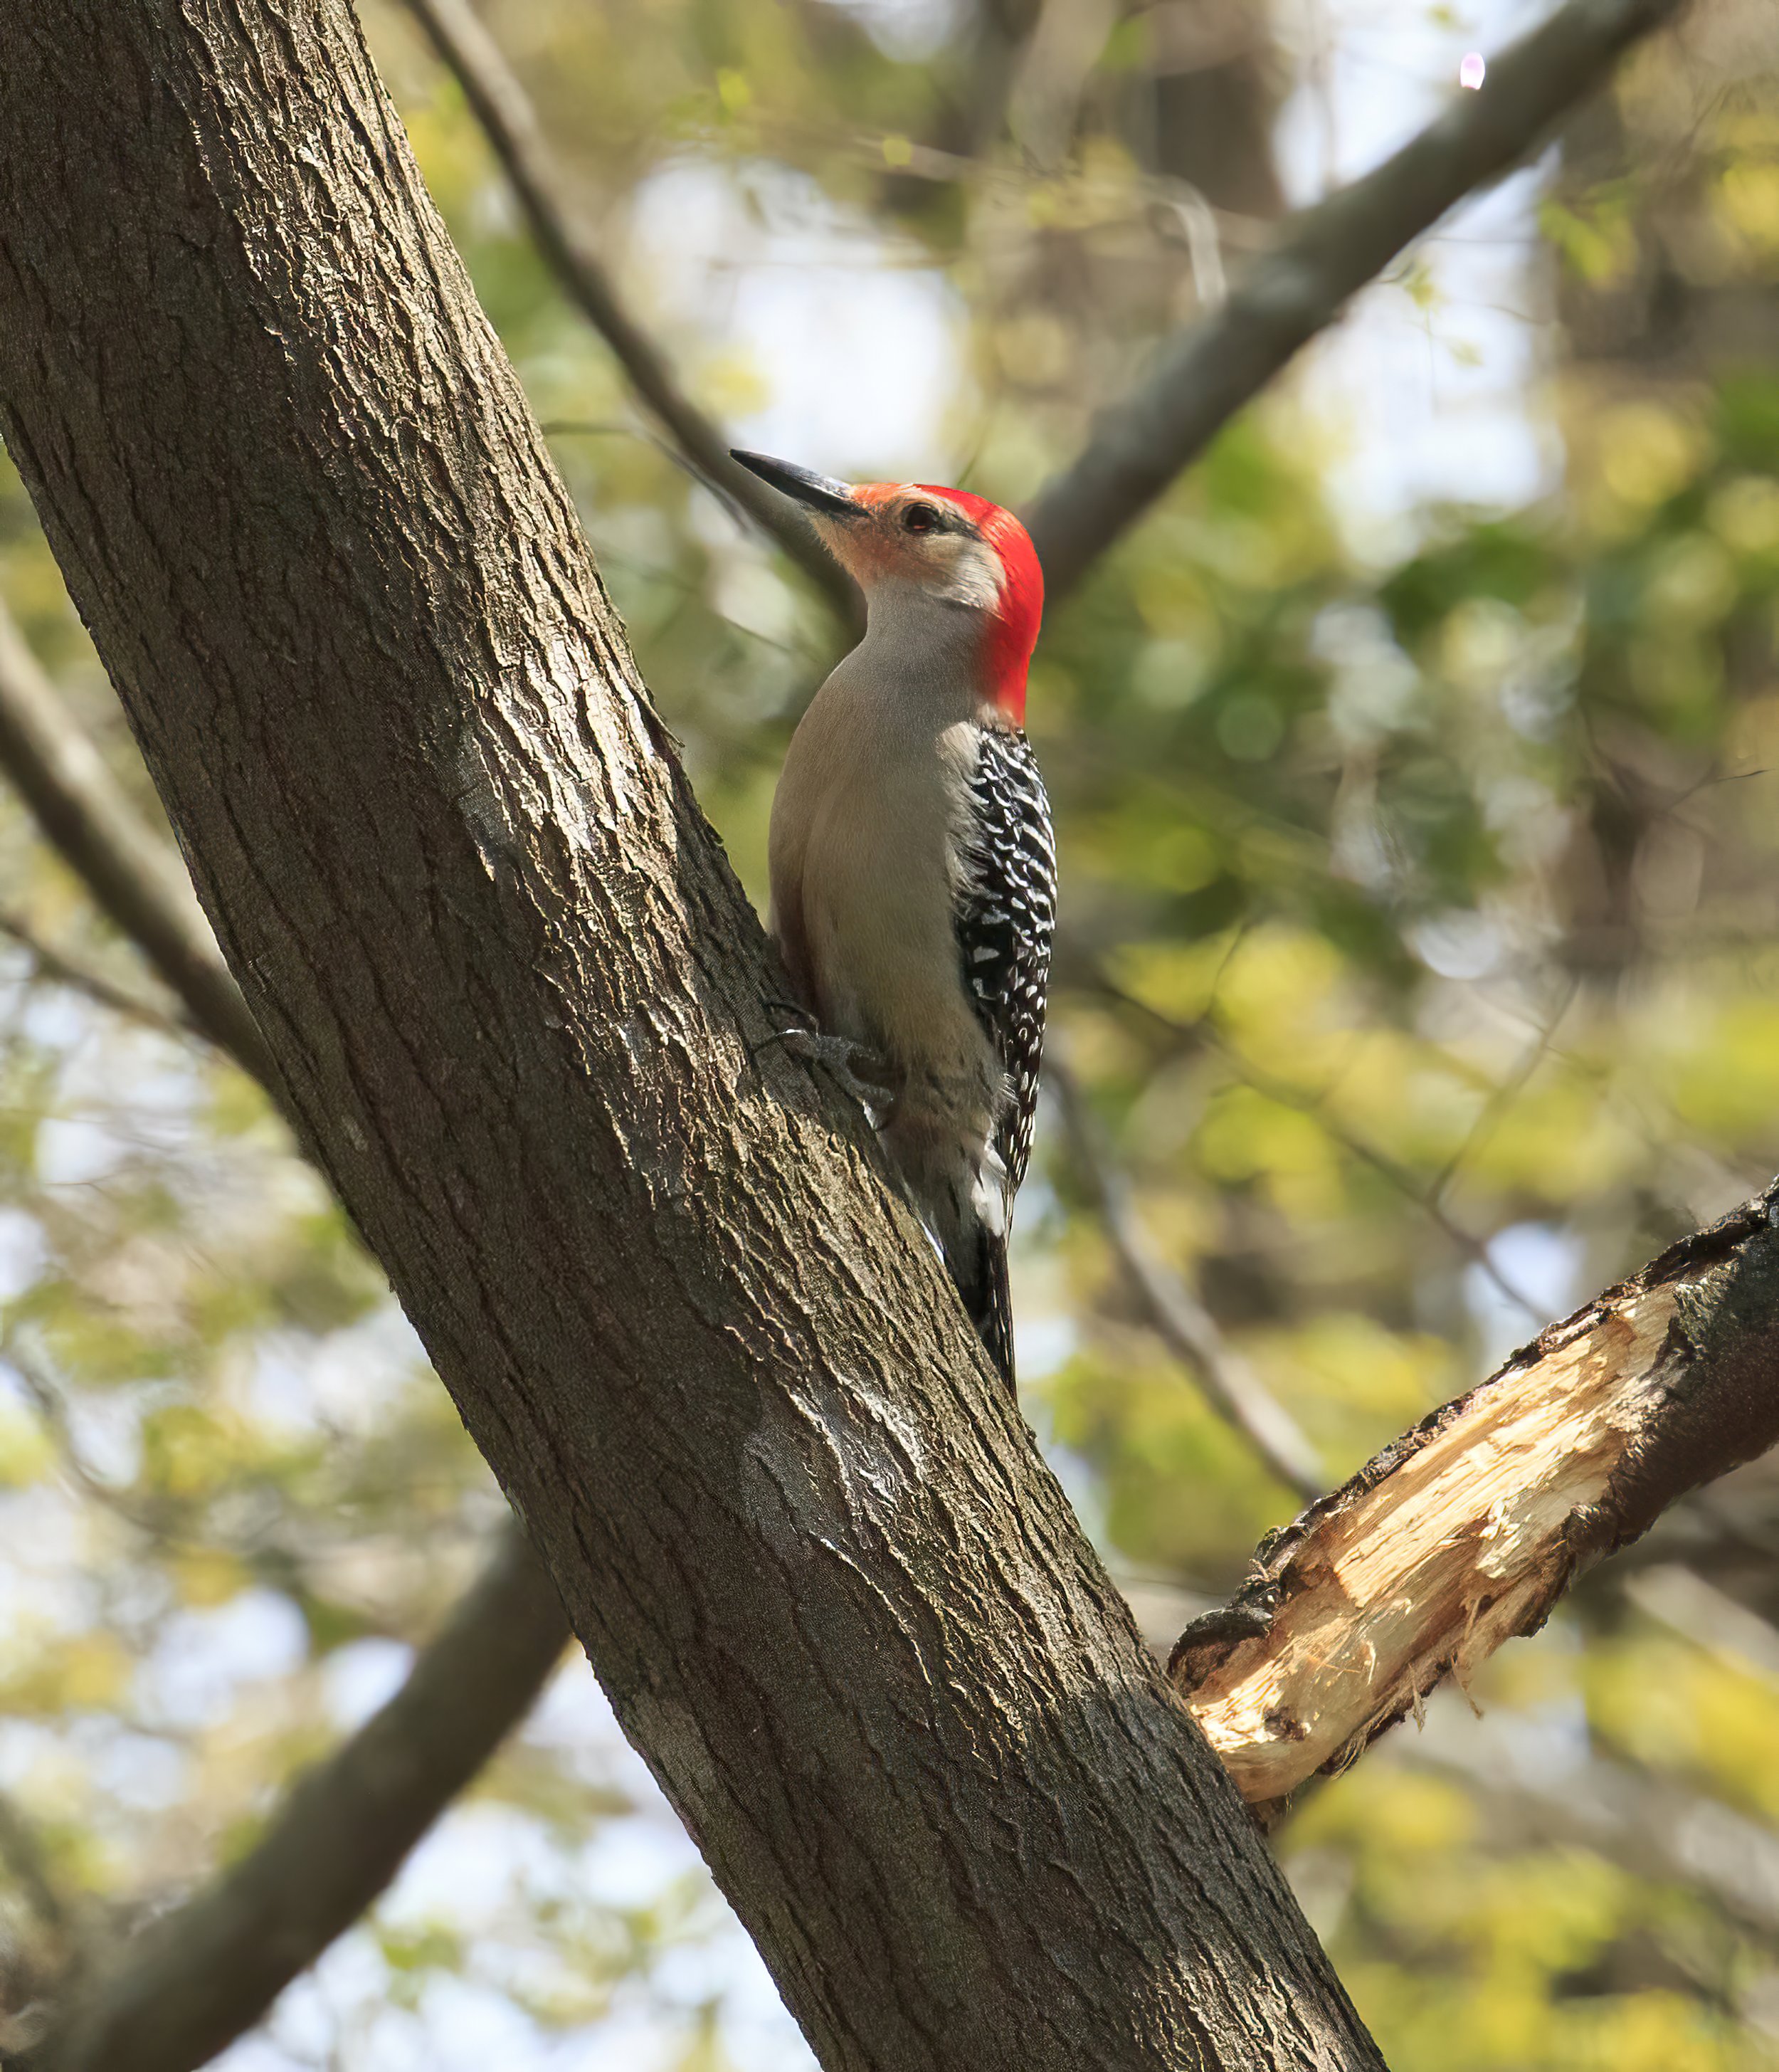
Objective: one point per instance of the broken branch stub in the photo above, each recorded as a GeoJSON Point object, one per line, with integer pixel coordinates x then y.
{"type": "Point", "coordinates": [1465, 1531]}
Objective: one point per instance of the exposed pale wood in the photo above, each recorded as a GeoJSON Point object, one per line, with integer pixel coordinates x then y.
{"type": "Point", "coordinates": [1466, 1532]}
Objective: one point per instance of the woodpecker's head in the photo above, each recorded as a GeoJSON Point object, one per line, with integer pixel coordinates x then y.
{"type": "Point", "coordinates": [943, 547]}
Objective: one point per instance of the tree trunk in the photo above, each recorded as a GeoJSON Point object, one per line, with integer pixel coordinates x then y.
{"type": "Point", "coordinates": [517, 1003]}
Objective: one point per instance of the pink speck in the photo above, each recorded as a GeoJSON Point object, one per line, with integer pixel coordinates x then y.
{"type": "Point", "coordinates": [1471, 72]}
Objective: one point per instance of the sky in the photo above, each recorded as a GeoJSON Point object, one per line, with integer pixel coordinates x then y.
{"type": "Point", "coordinates": [1427, 382]}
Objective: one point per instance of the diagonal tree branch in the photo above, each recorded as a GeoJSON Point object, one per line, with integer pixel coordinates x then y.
{"type": "Point", "coordinates": [202, 1975]}
{"type": "Point", "coordinates": [520, 1002]}
{"type": "Point", "coordinates": [1206, 1032]}
{"type": "Point", "coordinates": [22, 1852]}
{"type": "Point", "coordinates": [1202, 377]}
{"type": "Point", "coordinates": [1466, 1530]}
{"type": "Point", "coordinates": [510, 122]}
{"type": "Point", "coordinates": [1322, 257]}
{"type": "Point", "coordinates": [1653, 1826]}
{"type": "Point", "coordinates": [1426, 1199]}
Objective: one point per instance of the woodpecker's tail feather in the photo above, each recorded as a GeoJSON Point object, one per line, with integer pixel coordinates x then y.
{"type": "Point", "coordinates": [989, 1301]}
{"type": "Point", "coordinates": [937, 1134]}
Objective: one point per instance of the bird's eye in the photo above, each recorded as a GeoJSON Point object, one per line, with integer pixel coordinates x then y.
{"type": "Point", "coordinates": [920, 518]}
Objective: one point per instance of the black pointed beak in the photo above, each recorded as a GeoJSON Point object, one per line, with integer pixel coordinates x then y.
{"type": "Point", "coordinates": [821, 492]}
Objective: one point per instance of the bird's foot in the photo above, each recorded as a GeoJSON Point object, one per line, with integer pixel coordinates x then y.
{"type": "Point", "coordinates": [850, 1064]}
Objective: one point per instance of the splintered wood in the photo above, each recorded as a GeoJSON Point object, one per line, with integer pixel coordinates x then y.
{"type": "Point", "coordinates": [1461, 1536]}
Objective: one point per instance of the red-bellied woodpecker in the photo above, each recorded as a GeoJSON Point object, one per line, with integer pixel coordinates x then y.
{"type": "Point", "coordinates": [914, 870]}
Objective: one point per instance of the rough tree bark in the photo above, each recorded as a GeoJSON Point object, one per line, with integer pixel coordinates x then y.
{"type": "Point", "coordinates": [519, 1005]}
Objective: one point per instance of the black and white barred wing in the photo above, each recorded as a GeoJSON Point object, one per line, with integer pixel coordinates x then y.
{"type": "Point", "coordinates": [1005, 917]}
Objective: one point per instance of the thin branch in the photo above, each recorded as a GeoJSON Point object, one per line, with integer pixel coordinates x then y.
{"type": "Point", "coordinates": [1323, 256]}
{"type": "Point", "coordinates": [1467, 1529]}
{"type": "Point", "coordinates": [54, 1957]}
{"type": "Point", "coordinates": [1175, 1314]}
{"type": "Point", "coordinates": [52, 1408]}
{"type": "Point", "coordinates": [1121, 197]}
{"type": "Point", "coordinates": [1695, 1610]}
{"type": "Point", "coordinates": [1305, 1101]}
{"type": "Point", "coordinates": [133, 873]}
{"type": "Point", "coordinates": [78, 975]}
{"type": "Point", "coordinates": [1502, 1096]}
{"type": "Point", "coordinates": [204, 1973]}
{"type": "Point", "coordinates": [508, 120]}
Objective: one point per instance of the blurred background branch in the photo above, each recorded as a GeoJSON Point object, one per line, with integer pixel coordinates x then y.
{"type": "Point", "coordinates": [205, 1972]}
{"type": "Point", "coordinates": [1179, 1320]}
{"type": "Point", "coordinates": [1287, 295]}
{"type": "Point", "coordinates": [1203, 377]}
{"type": "Point", "coordinates": [504, 110]}
{"type": "Point", "coordinates": [136, 877]}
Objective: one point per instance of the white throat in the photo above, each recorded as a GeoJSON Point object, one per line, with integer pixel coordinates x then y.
{"type": "Point", "coordinates": [909, 625]}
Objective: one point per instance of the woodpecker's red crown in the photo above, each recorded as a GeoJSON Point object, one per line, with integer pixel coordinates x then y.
{"type": "Point", "coordinates": [956, 548]}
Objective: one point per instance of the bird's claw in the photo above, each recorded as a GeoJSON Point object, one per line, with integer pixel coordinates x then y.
{"type": "Point", "coordinates": [839, 1057]}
